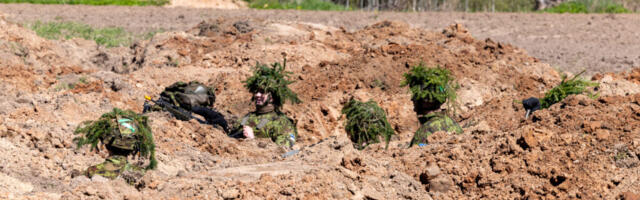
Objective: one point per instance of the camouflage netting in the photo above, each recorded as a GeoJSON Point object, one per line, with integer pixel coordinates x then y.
{"type": "Point", "coordinates": [431, 84]}
{"type": "Point", "coordinates": [365, 122]}
{"type": "Point", "coordinates": [273, 80]}
{"type": "Point", "coordinates": [94, 132]}
{"type": "Point", "coordinates": [574, 85]}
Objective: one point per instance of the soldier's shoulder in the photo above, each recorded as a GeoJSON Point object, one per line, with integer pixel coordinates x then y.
{"type": "Point", "coordinates": [283, 117]}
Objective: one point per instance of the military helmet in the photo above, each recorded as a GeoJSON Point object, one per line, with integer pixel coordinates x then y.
{"type": "Point", "coordinates": [430, 86]}
{"type": "Point", "coordinates": [121, 131]}
{"type": "Point", "coordinates": [365, 123]}
{"type": "Point", "coordinates": [273, 80]}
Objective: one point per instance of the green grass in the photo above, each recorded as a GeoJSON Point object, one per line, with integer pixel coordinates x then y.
{"type": "Point", "coordinates": [109, 37]}
{"type": "Point", "coordinates": [94, 2]}
{"type": "Point", "coordinates": [303, 5]}
{"type": "Point", "coordinates": [588, 6]}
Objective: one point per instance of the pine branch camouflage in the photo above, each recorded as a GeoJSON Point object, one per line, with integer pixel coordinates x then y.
{"type": "Point", "coordinates": [105, 131]}
{"type": "Point", "coordinates": [432, 84]}
{"type": "Point", "coordinates": [365, 122]}
{"type": "Point", "coordinates": [273, 80]}
{"type": "Point", "coordinates": [434, 122]}
{"type": "Point", "coordinates": [566, 87]}
{"type": "Point", "coordinates": [274, 125]}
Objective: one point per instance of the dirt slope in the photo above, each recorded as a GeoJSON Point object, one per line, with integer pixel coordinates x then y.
{"type": "Point", "coordinates": [569, 42]}
{"type": "Point", "coordinates": [579, 148]}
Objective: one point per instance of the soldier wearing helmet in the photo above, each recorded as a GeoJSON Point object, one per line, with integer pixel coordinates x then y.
{"type": "Point", "coordinates": [122, 133]}
{"type": "Point", "coordinates": [430, 89]}
{"type": "Point", "coordinates": [269, 86]}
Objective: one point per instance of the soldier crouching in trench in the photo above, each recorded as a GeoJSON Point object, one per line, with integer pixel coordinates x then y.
{"type": "Point", "coordinates": [123, 133]}
{"type": "Point", "coordinates": [430, 89]}
{"type": "Point", "coordinates": [270, 92]}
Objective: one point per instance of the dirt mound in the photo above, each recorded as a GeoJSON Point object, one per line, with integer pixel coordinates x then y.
{"type": "Point", "coordinates": [568, 150]}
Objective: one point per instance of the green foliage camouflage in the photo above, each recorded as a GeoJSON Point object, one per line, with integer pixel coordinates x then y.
{"type": "Point", "coordinates": [94, 132]}
{"type": "Point", "coordinates": [431, 84]}
{"type": "Point", "coordinates": [273, 80]}
{"type": "Point", "coordinates": [365, 122]}
{"type": "Point", "coordinates": [566, 87]}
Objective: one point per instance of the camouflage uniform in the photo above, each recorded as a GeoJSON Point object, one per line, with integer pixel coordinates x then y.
{"type": "Point", "coordinates": [434, 122]}
{"type": "Point", "coordinates": [276, 126]}
{"type": "Point", "coordinates": [113, 167]}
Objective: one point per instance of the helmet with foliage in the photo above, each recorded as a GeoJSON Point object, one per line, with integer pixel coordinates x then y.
{"type": "Point", "coordinates": [273, 80]}
{"type": "Point", "coordinates": [365, 122]}
{"type": "Point", "coordinates": [431, 85]}
{"type": "Point", "coordinates": [118, 130]}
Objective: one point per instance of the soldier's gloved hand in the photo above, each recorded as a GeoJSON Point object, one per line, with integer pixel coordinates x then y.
{"type": "Point", "coordinates": [247, 131]}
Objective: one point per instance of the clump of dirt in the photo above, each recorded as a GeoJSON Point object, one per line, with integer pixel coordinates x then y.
{"type": "Point", "coordinates": [578, 148]}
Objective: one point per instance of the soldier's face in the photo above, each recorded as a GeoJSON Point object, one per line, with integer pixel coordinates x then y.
{"type": "Point", "coordinates": [262, 99]}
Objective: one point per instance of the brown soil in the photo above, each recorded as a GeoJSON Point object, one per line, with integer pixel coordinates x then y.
{"type": "Point", "coordinates": [569, 42]}
{"type": "Point", "coordinates": [579, 148]}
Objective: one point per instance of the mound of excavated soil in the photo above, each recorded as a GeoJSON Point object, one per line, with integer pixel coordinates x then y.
{"type": "Point", "coordinates": [579, 148]}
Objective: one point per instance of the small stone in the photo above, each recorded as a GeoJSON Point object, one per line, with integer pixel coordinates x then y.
{"type": "Point", "coordinates": [432, 171]}
{"type": "Point", "coordinates": [440, 184]}
{"type": "Point", "coordinates": [90, 191]}
{"type": "Point", "coordinates": [591, 127]}
{"type": "Point", "coordinates": [602, 134]}
{"type": "Point", "coordinates": [231, 194]}
{"type": "Point", "coordinates": [529, 139]}
{"type": "Point", "coordinates": [99, 179]}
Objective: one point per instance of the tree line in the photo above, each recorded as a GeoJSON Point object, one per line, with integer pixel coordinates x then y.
{"type": "Point", "coordinates": [474, 5]}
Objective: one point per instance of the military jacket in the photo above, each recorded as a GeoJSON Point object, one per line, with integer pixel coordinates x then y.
{"type": "Point", "coordinates": [113, 167]}
{"type": "Point", "coordinates": [434, 122]}
{"type": "Point", "coordinates": [276, 126]}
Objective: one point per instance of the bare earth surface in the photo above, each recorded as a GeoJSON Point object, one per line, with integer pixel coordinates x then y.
{"type": "Point", "coordinates": [579, 148]}
{"type": "Point", "coordinates": [598, 43]}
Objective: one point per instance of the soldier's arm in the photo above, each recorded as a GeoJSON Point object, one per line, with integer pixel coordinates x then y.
{"type": "Point", "coordinates": [236, 128]}
{"type": "Point", "coordinates": [283, 132]}
{"type": "Point", "coordinates": [212, 117]}
{"type": "Point", "coordinates": [452, 126]}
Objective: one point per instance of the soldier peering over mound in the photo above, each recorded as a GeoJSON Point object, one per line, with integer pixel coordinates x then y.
{"type": "Point", "coordinates": [366, 121]}
{"type": "Point", "coordinates": [123, 133]}
{"type": "Point", "coordinates": [430, 89]}
{"type": "Point", "coordinates": [269, 86]}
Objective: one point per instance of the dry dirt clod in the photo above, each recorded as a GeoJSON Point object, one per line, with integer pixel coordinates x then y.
{"type": "Point", "coordinates": [440, 184]}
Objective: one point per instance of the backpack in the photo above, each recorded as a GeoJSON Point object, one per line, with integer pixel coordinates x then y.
{"type": "Point", "coordinates": [188, 95]}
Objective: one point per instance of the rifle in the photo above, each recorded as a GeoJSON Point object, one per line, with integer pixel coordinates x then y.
{"type": "Point", "coordinates": [177, 112]}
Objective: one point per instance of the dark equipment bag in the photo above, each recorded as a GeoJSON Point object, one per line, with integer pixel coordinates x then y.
{"type": "Point", "coordinates": [188, 95]}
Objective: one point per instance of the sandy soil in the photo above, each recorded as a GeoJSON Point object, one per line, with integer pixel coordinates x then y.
{"type": "Point", "coordinates": [598, 43]}
{"type": "Point", "coordinates": [580, 148]}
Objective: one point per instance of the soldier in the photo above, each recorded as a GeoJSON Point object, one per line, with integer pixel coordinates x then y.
{"type": "Point", "coordinates": [270, 92]}
{"type": "Point", "coordinates": [430, 88]}
{"type": "Point", "coordinates": [123, 133]}
{"type": "Point", "coordinates": [365, 122]}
